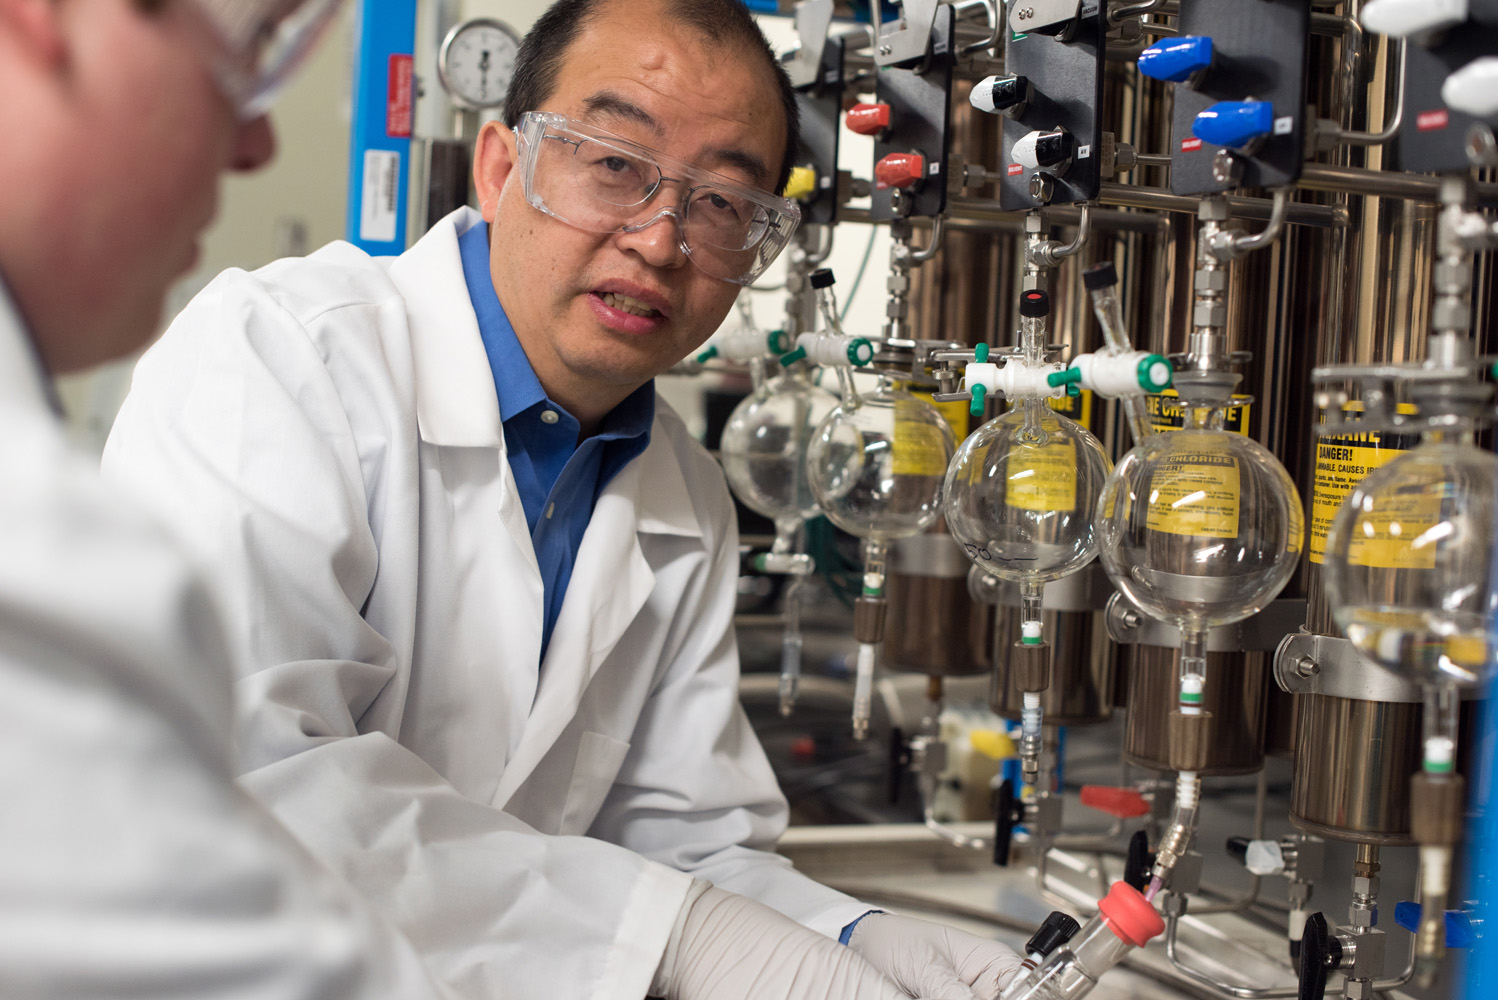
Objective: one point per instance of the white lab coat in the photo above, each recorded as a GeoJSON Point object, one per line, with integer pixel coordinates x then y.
{"type": "Point", "coordinates": [130, 864]}
{"type": "Point", "coordinates": [327, 431]}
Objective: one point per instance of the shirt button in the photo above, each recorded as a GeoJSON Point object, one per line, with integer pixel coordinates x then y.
{"type": "Point", "coordinates": [549, 416]}
{"type": "Point", "coordinates": [551, 509]}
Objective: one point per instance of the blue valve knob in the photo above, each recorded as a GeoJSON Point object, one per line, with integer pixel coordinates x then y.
{"type": "Point", "coordinates": [1175, 60]}
{"type": "Point", "coordinates": [1459, 930]}
{"type": "Point", "coordinates": [1234, 123]}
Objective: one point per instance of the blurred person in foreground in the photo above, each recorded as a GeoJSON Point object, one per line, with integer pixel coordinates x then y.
{"type": "Point", "coordinates": [130, 864]}
{"type": "Point", "coordinates": [486, 576]}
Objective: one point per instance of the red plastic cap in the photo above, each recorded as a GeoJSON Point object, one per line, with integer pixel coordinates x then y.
{"type": "Point", "coordinates": [900, 170]}
{"type": "Point", "coordinates": [1130, 916]}
{"type": "Point", "coordinates": [867, 119]}
{"type": "Point", "coordinates": [1124, 803]}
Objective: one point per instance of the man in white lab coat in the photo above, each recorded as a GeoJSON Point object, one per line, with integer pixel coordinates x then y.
{"type": "Point", "coordinates": [487, 579]}
{"type": "Point", "coordinates": [130, 864]}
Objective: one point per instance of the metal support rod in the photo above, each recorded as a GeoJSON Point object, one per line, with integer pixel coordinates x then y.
{"type": "Point", "coordinates": [1251, 896]}
{"type": "Point", "coordinates": [1160, 200]}
{"type": "Point", "coordinates": [1382, 183]}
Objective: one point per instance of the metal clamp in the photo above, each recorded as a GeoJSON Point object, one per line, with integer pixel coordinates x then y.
{"type": "Point", "coordinates": [1307, 663]}
{"type": "Point", "coordinates": [1129, 626]}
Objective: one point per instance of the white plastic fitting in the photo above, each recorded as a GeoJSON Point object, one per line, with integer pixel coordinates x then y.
{"type": "Point", "coordinates": [1264, 857]}
{"type": "Point", "coordinates": [1473, 89]}
{"type": "Point", "coordinates": [1135, 373]}
{"type": "Point", "coordinates": [1401, 18]}
{"type": "Point", "coordinates": [1015, 380]}
{"type": "Point", "coordinates": [744, 343]}
{"type": "Point", "coordinates": [835, 350]}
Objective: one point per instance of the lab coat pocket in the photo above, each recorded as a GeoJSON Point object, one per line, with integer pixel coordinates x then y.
{"type": "Point", "coordinates": [599, 758]}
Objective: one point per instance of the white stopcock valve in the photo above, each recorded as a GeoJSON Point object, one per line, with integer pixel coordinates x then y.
{"type": "Point", "coordinates": [831, 350]}
{"type": "Point", "coordinates": [745, 343]}
{"type": "Point", "coordinates": [1473, 89]}
{"type": "Point", "coordinates": [1113, 375]}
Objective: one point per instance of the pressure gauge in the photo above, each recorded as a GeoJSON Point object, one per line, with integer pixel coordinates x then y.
{"type": "Point", "coordinates": [476, 62]}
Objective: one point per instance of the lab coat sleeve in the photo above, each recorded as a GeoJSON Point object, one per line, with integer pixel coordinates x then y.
{"type": "Point", "coordinates": [720, 817]}
{"type": "Point", "coordinates": [239, 426]}
{"type": "Point", "coordinates": [130, 863]}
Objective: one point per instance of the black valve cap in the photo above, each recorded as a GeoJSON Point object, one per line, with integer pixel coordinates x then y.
{"type": "Point", "coordinates": [1139, 862]}
{"type": "Point", "coordinates": [1054, 148]}
{"type": "Point", "coordinates": [1056, 931]}
{"type": "Point", "coordinates": [1034, 303]}
{"type": "Point", "coordinates": [1237, 848]}
{"type": "Point", "coordinates": [1099, 276]}
{"type": "Point", "coordinates": [1319, 951]}
{"type": "Point", "coordinates": [1008, 811]}
{"type": "Point", "coordinates": [822, 278]}
{"type": "Point", "coordinates": [1009, 91]}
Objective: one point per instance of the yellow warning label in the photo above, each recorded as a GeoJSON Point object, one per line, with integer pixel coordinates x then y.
{"type": "Point", "coordinates": [1341, 463]}
{"type": "Point", "coordinates": [955, 412]}
{"type": "Point", "coordinates": [1042, 477]}
{"type": "Point", "coordinates": [1167, 414]}
{"type": "Point", "coordinates": [917, 448]}
{"type": "Point", "coordinates": [1392, 535]}
{"type": "Point", "coordinates": [1195, 494]}
{"type": "Point", "coordinates": [1078, 407]}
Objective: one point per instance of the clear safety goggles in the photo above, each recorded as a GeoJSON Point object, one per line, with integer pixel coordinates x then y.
{"type": "Point", "coordinates": [264, 43]}
{"type": "Point", "coordinates": [601, 183]}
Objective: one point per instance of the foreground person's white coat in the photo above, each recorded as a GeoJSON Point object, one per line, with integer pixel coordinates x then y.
{"type": "Point", "coordinates": [130, 864]}
{"type": "Point", "coordinates": [327, 432]}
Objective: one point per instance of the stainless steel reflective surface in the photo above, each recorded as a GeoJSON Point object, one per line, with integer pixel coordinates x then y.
{"type": "Point", "coordinates": [1236, 695]}
{"type": "Point", "coordinates": [1353, 761]}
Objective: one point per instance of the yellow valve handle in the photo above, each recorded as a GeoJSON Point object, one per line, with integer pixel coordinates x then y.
{"type": "Point", "coordinates": [801, 183]}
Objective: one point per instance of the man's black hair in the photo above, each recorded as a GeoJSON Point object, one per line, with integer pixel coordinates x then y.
{"type": "Point", "coordinates": [727, 24]}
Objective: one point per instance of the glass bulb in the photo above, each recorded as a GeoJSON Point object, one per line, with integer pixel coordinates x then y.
{"type": "Point", "coordinates": [877, 463]}
{"type": "Point", "coordinates": [1200, 527]}
{"type": "Point", "coordinates": [764, 446]}
{"type": "Point", "coordinates": [1408, 563]}
{"type": "Point", "coordinates": [1021, 494]}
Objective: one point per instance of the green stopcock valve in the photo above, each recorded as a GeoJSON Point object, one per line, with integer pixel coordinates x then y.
{"type": "Point", "coordinates": [1068, 378]}
{"type": "Point", "coordinates": [1494, 369]}
{"type": "Point", "coordinates": [778, 342]}
{"type": "Point", "coordinates": [1155, 373]}
{"type": "Point", "coordinates": [1073, 390]}
{"type": "Point", "coordinates": [980, 354]}
{"type": "Point", "coordinates": [707, 355]}
{"type": "Point", "coordinates": [860, 352]}
{"type": "Point", "coordinates": [786, 360]}
{"type": "Point", "coordinates": [979, 391]}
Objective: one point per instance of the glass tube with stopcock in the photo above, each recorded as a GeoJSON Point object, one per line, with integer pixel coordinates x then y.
{"type": "Point", "coordinates": [876, 465]}
{"type": "Point", "coordinates": [763, 451]}
{"type": "Point", "coordinates": [1408, 570]}
{"type": "Point", "coordinates": [1020, 497]}
{"type": "Point", "coordinates": [1199, 527]}
{"type": "Point", "coordinates": [1125, 920]}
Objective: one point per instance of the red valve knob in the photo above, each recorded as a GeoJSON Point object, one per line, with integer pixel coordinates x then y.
{"type": "Point", "coordinates": [900, 170]}
{"type": "Point", "coordinates": [868, 119]}
{"type": "Point", "coordinates": [1122, 803]}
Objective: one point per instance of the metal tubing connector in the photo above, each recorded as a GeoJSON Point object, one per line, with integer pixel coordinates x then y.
{"type": "Point", "coordinates": [1050, 253]}
{"type": "Point", "coordinates": [1231, 244]}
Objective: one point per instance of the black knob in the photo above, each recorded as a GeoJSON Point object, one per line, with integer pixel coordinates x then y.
{"type": "Point", "coordinates": [1139, 862]}
{"type": "Point", "coordinates": [1008, 811]}
{"type": "Point", "coordinates": [1055, 147]}
{"type": "Point", "coordinates": [1034, 303]}
{"type": "Point", "coordinates": [822, 278]}
{"type": "Point", "coordinates": [1056, 931]}
{"type": "Point", "coordinates": [1237, 848]}
{"type": "Point", "coordinates": [1319, 951]}
{"type": "Point", "coordinates": [1098, 276]}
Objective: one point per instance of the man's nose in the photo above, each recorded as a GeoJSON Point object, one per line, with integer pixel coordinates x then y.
{"type": "Point", "coordinates": [657, 240]}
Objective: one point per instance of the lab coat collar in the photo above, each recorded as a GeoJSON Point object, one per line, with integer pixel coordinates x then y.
{"type": "Point", "coordinates": [456, 403]}
{"type": "Point", "coordinates": [23, 379]}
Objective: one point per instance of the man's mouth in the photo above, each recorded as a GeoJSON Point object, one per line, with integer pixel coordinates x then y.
{"type": "Point", "coordinates": [626, 304]}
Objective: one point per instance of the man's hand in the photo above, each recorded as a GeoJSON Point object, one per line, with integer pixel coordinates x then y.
{"type": "Point", "coordinates": [933, 960]}
{"type": "Point", "coordinates": [727, 947]}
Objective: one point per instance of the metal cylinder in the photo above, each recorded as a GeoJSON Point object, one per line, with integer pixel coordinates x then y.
{"type": "Point", "coordinates": [1352, 769]}
{"type": "Point", "coordinates": [935, 627]}
{"type": "Point", "coordinates": [1235, 697]}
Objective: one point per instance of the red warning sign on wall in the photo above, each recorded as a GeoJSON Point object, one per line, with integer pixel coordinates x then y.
{"type": "Point", "coordinates": [399, 98]}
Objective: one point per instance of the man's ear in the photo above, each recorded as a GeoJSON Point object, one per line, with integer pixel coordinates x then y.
{"type": "Point", "coordinates": [36, 25]}
{"type": "Point", "coordinates": [494, 157]}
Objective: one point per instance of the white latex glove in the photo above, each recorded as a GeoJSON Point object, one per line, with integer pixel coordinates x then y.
{"type": "Point", "coordinates": [728, 947]}
{"type": "Point", "coordinates": [933, 960]}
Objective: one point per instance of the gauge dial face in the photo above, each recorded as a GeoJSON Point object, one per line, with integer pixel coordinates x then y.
{"type": "Point", "coordinates": [477, 61]}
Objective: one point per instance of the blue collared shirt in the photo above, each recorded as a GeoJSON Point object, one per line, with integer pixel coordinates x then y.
{"type": "Point", "coordinates": [559, 478]}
